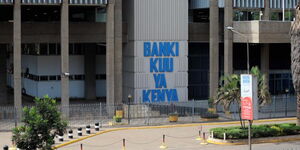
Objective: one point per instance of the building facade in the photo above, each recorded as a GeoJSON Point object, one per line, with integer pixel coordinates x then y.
{"type": "Point", "coordinates": [154, 50]}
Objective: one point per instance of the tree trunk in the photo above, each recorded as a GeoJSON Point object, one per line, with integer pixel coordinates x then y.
{"type": "Point", "coordinates": [298, 109]}
{"type": "Point", "coordinates": [295, 58]}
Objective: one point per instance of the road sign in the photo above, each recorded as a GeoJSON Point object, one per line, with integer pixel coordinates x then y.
{"type": "Point", "coordinates": [249, 100]}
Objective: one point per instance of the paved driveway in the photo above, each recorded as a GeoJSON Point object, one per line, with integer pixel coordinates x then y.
{"type": "Point", "coordinates": [179, 138]}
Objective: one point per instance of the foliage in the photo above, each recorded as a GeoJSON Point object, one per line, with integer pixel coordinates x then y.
{"type": "Point", "coordinates": [229, 92]}
{"type": "Point", "coordinates": [117, 118]}
{"type": "Point", "coordinates": [209, 115]}
{"type": "Point", "coordinates": [42, 123]}
{"type": "Point", "coordinates": [258, 131]}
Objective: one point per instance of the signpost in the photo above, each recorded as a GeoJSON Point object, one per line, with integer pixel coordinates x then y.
{"type": "Point", "coordinates": [249, 101]}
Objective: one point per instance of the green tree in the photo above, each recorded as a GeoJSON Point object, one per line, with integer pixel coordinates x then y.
{"type": "Point", "coordinates": [42, 123]}
{"type": "Point", "coordinates": [229, 92]}
{"type": "Point", "coordinates": [295, 57]}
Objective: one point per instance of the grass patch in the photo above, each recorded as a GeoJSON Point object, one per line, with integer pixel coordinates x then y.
{"type": "Point", "coordinates": [258, 131]}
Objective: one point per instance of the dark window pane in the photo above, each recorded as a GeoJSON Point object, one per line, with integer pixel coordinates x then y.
{"type": "Point", "coordinates": [52, 77]}
{"type": "Point", "coordinates": [44, 78]}
{"type": "Point", "coordinates": [52, 49]}
{"type": "Point", "coordinates": [43, 49]}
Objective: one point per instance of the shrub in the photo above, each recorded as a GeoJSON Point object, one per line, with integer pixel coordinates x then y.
{"type": "Point", "coordinates": [117, 118]}
{"type": "Point", "coordinates": [258, 131]}
{"type": "Point", "coordinates": [209, 115]}
{"type": "Point", "coordinates": [41, 124]}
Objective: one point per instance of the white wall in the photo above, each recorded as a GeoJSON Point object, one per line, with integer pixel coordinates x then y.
{"type": "Point", "coordinates": [50, 65]}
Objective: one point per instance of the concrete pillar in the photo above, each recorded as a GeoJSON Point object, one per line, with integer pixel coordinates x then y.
{"type": "Point", "coordinates": [64, 39]}
{"type": "Point", "coordinates": [266, 13]}
{"type": "Point", "coordinates": [110, 53]}
{"type": "Point", "coordinates": [90, 72]}
{"type": "Point", "coordinates": [3, 90]}
{"type": "Point", "coordinates": [228, 39]}
{"type": "Point", "coordinates": [264, 59]}
{"type": "Point", "coordinates": [17, 57]}
{"type": "Point", "coordinates": [118, 52]}
{"type": "Point", "coordinates": [213, 47]}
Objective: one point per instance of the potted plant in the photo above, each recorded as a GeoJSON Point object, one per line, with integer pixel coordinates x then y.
{"type": "Point", "coordinates": [173, 117]}
{"type": "Point", "coordinates": [117, 119]}
{"type": "Point", "coordinates": [210, 115]}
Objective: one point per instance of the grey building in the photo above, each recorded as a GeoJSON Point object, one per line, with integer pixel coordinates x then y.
{"type": "Point", "coordinates": [155, 50]}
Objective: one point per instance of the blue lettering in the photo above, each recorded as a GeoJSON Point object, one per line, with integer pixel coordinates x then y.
{"type": "Point", "coordinates": [174, 96]}
{"type": "Point", "coordinates": [163, 49]}
{"type": "Point", "coordinates": [153, 62]}
{"type": "Point", "coordinates": [169, 95]}
{"type": "Point", "coordinates": [147, 49]}
{"type": "Point", "coordinates": [168, 64]}
{"type": "Point", "coordinates": [160, 80]}
{"type": "Point", "coordinates": [161, 95]}
{"type": "Point", "coordinates": [146, 94]}
{"type": "Point", "coordinates": [154, 96]}
{"type": "Point", "coordinates": [177, 49]}
{"type": "Point", "coordinates": [155, 50]}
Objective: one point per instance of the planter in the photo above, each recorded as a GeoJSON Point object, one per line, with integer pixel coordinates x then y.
{"type": "Point", "coordinates": [212, 110]}
{"type": "Point", "coordinates": [173, 117]}
{"type": "Point", "coordinates": [277, 139]}
{"type": "Point", "coordinates": [117, 119]}
{"type": "Point", "coordinates": [209, 117]}
{"type": "Point", "coordinates": [119, 113]}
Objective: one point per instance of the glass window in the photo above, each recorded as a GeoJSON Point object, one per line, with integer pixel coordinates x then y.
{"type": "Point", "coordinates": [43, 78]}
{"type": "Point", "coordinates": [52, 49]}
{"type": "Point", "coordinates": [43, 49]}
{"type": "Point", "coordinates": [52, 78]}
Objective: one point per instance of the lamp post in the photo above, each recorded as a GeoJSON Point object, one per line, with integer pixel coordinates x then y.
{"type": "Point", "coordinates": [234, 31]}
{"type": "Point", "coordinates": [128, 113]}
{"type": "Point", "coordinates": [286, 99]}
{"type": "Point", "coordinates": [248, 71]}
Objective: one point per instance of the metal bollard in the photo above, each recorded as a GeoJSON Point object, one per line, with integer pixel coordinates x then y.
{"type": "Point", "coordinates": [88, 129]}
{"type": "Point", "coordinates": [79, 131]}
{"type": "Point", "coordinates": [61, 137]}
{"type": "Point", "coordinates": [70, 134]}
{"type": "Point", "coordinates": [97, 127]}
{"type": "Point", "coordinates": [5, 147]}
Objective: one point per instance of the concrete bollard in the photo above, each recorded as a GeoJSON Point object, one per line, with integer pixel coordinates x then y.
{"type": "Point", "coordinates": [224, 136]}
{"type": "Point", "coordinates": [70, 134]}
{"type": "Point", "coordinates": [61, 137]}
{"type": "Point", "coordinates": [97, 127]}
{"type": "Point", "coordinates": [5, 147]}
{"type": "Point", "coordinates": [88, 129]}
{"type": "Point", "coordinates": [79, 131]}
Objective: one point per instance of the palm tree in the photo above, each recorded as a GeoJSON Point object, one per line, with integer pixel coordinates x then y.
{"type": "Point", "coordinates": [295, 57]}
{"type": "Point", "coordinates": [229, 92]}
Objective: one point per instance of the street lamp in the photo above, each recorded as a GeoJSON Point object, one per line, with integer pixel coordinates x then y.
{"type": "Point", "coordinates": [234, 31]}
{"type": "Point", "coordinates": [286, 100]}
{"type": "Point", "coordinates": [128, 113]}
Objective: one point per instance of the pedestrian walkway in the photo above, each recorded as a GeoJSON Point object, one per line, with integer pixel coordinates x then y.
{"type": "Point", "coordinates": [176, 138]}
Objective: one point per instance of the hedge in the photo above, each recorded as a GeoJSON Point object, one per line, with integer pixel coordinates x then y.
{"type": "Point", "coordinates": [267, 130]}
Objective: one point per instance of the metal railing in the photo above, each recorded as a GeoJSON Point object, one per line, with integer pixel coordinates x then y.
{"type": "Point", "coordinates": [81, 115]}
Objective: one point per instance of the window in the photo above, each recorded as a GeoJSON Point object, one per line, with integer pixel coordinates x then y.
{"type": "Point", "coordinates": [43, 78]}
{"type": "Point", "coordinates": [52, 78]}
{"type": "Point", "coordinates": [101, 77]}
{"type": "Point", "coordinates": [52, 49]}
{"type": "Point", "coordinates": [101, 49]}
{"type": "Point", "coordinates": [79, 77]}
{"type": "Point", "coordinates": [43, 49]}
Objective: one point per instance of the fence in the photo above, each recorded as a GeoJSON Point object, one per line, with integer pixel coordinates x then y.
{"type": "Point", "coordinates": [154, 113]}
